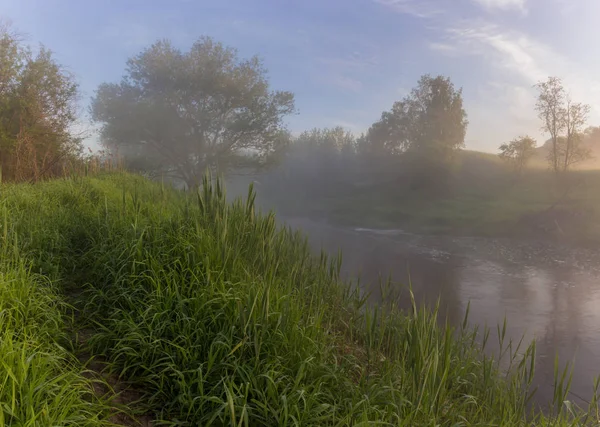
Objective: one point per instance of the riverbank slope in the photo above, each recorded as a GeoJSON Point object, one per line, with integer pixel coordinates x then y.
{"type": "Point", "coordinates": [219, 317]}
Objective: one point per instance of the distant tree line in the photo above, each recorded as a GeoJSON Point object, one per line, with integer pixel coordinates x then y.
{"type": "Point", "coordinates": [176, 113]}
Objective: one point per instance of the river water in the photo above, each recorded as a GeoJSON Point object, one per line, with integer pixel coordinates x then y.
{"type": "Point", "coordinates": [550, 293]}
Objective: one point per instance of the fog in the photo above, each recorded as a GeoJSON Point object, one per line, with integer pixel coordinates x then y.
{"type": "Point", "coordinates": [404, 198]}
{"type": "Point", "coordinates": [513, 232]}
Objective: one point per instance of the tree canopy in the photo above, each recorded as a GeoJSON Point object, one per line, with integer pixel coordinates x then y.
{"type": "Point", "coordinates": [518, 152]}
{"type": "Point", "coordinates": [430, 122]}
{"type": "Point", "coordinates": [425, 129]}
{"type": "Point", "coordinates": [38, 107]}
{"type": "Point", "coordinates": [178, 113]}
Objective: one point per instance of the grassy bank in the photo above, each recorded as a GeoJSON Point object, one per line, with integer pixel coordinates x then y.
{"type": "Point", "coordinates": [220, 318]}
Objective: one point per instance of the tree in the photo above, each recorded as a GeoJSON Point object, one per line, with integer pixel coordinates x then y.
{"type": "Point", "coordinates": [518, 152]}
{"type": "Point", "coordinates": [320, 155]}
{"type": "Point", "coordinates": [550, 110]}
{"type": "Point", "coordinates": [38, 106]}
{"type": "Point", "coordinates": [573, 151]}
{"type": "Point", "coordinates": [333, 140]}
{"type": "Point", "coordinates": [392, 133]}
{"type": "Point", "coordinates": [184, 112]}
{"type": "Point", "coordinates": [591, 136]}
{"type": "Point", "coordinates": [563, 119]}
{"type": "Point", "coordinates": [425, 129]}
{"type": "Point", "coordinates": [430, 122]}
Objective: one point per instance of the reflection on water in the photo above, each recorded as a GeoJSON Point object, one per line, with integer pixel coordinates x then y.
{"type": "Point", "coordinates": [548, 293]}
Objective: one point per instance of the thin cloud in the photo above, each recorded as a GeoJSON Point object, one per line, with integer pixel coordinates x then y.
{"type": "Point", "coordinates": [509, 50]}
{"type": "Point", "coordinates": [335, 78]}
{"type": "Point", "coordinates": [444, 48]}
{"type": "Point", "coordinates": [503, 4]}
{"type": "Point", "coordinates": [403, 91]}
{"type": "Point", "coordinates": [511, 61]}
{"type": "Point", "coordinates": [418, 8]}
{"type": "Point", "coordinates": [500, 112]}
{"type": "Point", "coordinates": [516, 100]}
{"type": "Point", "coordinates": [511, 96]}
{"type": "Point", "coordinates": [354, 61]}
{"type": "Point", "coordinates": [526, 58]}
{"type": "Point", "coordinates": [346, 72]}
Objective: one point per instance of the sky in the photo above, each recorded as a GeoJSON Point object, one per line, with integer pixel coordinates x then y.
{"type": "Point", "coordinates": [347, 61]}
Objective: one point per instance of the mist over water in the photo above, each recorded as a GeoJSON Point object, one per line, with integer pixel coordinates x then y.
{"type": "Point", "coordinates": [547, 291]}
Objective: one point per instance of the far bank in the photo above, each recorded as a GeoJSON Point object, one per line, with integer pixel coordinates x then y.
{"type": "Point", "coordinates": [482, 199]}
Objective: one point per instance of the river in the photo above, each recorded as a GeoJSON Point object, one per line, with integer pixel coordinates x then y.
{"type": "Point", "coordinates": [547, 292]}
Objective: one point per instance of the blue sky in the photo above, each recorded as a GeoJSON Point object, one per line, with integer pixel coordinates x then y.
{"type": "Point", "coordinates": [348, 60]}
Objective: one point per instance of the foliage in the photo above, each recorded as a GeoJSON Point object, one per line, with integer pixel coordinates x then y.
{"type": "Point", "coordinates": [315, 156]}
{"type": "Point", "coordinates": [563, 119]}
{"type": "Point", "coordinates": [37, 110]}
{"type": "Point", "coordinates": [518, 152]}
{"type": "Point", "coordinates": [427, 128]}
{"type": "Point", "coordinates": [592, 135]}
{"type": "Point", "coordinates": [429, 121]}
{"type": "Point", "coordinates": [323, 152]}
{"type": "Point", "coordinates": [329, 139]}
{"type": "Point", "coordinates": [177, 113]}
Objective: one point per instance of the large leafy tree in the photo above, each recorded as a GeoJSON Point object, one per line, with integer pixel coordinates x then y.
{"type": "Point", "coordinates": [425, 129]}
{"type": "Point", "coordinates": [38, 107]}
{"type": "Point", "coordinates": [177, 113]}
{"type": "Point", "coordinates": [430, 122]}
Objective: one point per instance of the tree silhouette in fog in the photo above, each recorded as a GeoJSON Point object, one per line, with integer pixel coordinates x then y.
{"type": "Point", "coordinates": [176, 113]}
{"type": "Point", "coordinates": [427, 128]}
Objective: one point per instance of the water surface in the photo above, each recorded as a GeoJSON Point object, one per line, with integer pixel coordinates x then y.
{"type": "Point", "coordinates": [547, 292]}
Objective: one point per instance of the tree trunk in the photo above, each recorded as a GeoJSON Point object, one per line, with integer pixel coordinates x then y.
{"type": "Point", "coordinates": [567, 152]}
{"type": "Point", "coordinates": [555, 153]}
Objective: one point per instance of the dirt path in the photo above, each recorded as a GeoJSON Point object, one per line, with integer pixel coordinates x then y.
{"type": "Point", "coordinates": [124, 399]}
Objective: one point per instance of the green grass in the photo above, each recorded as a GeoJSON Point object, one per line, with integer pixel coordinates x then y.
{"type": "Point", "coordinates": [40, 381]}
{"type": "Point", "coordinates": [222, 318]}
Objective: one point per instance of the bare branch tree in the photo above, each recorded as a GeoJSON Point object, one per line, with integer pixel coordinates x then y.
{"type": "Point", "coordinates": [550, 110]}
{"type": "Point", "coordinates": [575, 115]}
{"type": "Point", "coordinates": [564, 120]}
